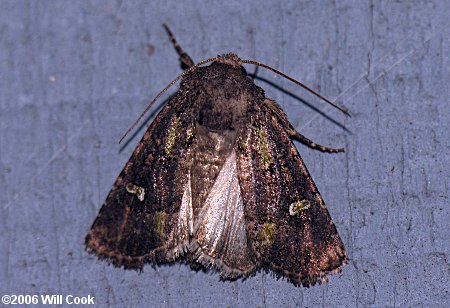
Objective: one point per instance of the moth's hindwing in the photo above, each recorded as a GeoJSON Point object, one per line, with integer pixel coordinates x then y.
{"type": "Point", "coordinates": [289, 228]}
{"type": "Point", "coordinates": [220, 237]}
{"type": "Point", "coordinates": [139, 222]}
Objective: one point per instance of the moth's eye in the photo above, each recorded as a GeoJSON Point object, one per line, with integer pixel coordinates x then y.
{"type": "Point", "coordinates": [243, 70]}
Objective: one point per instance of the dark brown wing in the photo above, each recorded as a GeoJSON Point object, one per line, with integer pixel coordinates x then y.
{"type": "Point", "coordinates": [140, 222]}
{"type": "Point", "coordinates": [289, 228]}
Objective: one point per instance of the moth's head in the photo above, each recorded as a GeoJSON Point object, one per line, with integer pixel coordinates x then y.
{"type": "Point", "coordinates": [230, 59]}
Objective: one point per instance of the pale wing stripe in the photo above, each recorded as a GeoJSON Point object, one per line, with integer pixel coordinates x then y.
{"type": "Point", "coordinates": [185, 223]}
{"type": "Point", "coordinates": [185, 218]}
{"type": "Point", "coordinates": [220, 229]}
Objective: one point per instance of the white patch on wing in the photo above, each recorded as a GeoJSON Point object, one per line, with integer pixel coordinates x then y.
{"type": "Point", "coordinates": [220, 237]}
{"type": "Point", "coordinates": [185, 224]}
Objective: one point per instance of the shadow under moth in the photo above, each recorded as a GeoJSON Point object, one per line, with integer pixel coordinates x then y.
{"type": "Point", "coordinates": [216, 181]}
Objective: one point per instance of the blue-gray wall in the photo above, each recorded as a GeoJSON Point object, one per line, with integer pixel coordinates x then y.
{"type": "Point", "coordinates": [74, 75]}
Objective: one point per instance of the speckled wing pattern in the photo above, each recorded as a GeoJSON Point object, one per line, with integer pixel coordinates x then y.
{"type": "Point", "coordinates": [140, 220]}
{"type": "Point", "coordinates": [217, 181]}
{"type": "Point", "coordinates": [288, 225]}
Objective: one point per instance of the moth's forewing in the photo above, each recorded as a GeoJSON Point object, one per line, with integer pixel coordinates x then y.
{"type": "Point", "coordinates": [139, 221]}
{"type": "Point", "coordinates": [288, 226]}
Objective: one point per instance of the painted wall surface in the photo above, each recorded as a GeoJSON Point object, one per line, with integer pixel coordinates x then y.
{"type": "Point", "coordinates": [74, 75]}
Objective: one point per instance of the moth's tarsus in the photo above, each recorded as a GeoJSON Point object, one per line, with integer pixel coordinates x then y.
{"type": "Point", "coordinates": [299, 137]}
{"type": "Point", "coordinates": [221, 185]}
{"type": "Point", "coordinates": [294, 134]}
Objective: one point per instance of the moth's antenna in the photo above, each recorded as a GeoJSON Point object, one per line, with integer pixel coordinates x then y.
{"type": "Point", "coordinates": [164, 90]}
{"type": "Point", "coordinates": [296, 82]}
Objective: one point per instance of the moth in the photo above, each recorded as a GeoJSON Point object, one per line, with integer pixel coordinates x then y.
{"type": "Point", "coordinates": [216, 181]}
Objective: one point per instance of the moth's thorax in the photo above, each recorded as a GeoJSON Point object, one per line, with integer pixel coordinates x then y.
{"type": "Point", "coordinates": [223, 94]}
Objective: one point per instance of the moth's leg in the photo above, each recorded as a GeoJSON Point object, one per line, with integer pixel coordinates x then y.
{"type": "Point", "coordinates": [276, 109]}
{"type": "Point", "coordinates": [185, 59]}
{"type": "Point", "coordinates": [299, 137]}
